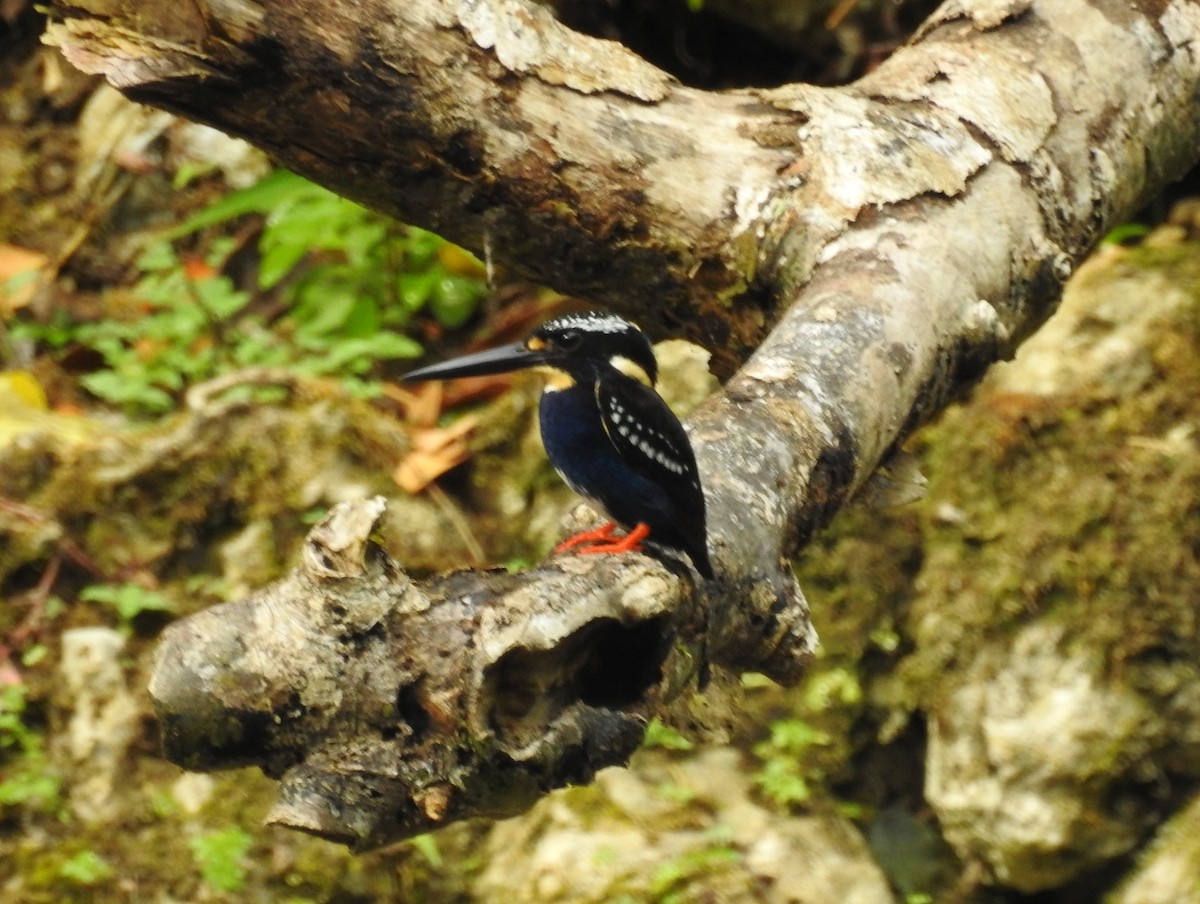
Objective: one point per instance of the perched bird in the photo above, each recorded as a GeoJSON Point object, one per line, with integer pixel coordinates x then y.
{"type": "Point", "coordinates": [609, 435]}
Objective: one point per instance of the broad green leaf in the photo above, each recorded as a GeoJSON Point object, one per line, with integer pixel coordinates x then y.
{"type": "Point", "coordinates": [269, 193]}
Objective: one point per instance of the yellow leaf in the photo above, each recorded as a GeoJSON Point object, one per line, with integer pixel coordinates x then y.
{"type": "Point", "coordinates": [24, 410]}
{"type": "Point", "coordinates": [21, 386]}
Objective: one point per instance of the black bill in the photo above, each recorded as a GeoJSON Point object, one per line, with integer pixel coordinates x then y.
{"type": "Point", "coordinates": [493, 361]}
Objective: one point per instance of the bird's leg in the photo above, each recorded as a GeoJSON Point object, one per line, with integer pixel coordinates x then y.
{"type": "Point", "coordinates": [601, 533]}
{"type": "Point", "coordinates": [631, 542]}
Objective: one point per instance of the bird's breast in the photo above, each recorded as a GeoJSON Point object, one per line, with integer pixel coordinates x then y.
{"type": "Point", "coordinates": [577, 445]}
{"type": "Point", "coordinates": [571, 427]}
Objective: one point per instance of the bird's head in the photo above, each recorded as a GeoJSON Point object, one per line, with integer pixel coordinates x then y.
{"type": "Point", "coordinates": [574, 347]}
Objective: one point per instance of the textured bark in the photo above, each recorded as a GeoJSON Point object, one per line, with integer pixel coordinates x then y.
{"type": "Point", "coordinates": [388, 707]}
{"type": "Point", "coordinates": [880, 244]}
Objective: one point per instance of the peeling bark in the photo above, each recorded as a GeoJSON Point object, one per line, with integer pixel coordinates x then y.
{"type": "Point", "coordinates": [880, 244]}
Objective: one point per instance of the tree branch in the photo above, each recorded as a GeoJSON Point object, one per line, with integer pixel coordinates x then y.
{"type": "Point", "coordinates": [389, 708]}
{"type": "Point", "coordinates": [894, 237]}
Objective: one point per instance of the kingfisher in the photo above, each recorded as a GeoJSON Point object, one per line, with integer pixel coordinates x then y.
{"type": "Point", "coordinates": [607, 432]}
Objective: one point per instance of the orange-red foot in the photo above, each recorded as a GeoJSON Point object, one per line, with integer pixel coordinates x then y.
{"type": "Point", "coordinates": [631, 542]}
{"type": "Point", "coordinates": [603, 532]}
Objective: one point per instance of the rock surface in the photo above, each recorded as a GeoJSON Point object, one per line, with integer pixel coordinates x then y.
{"type": "Point", "coordinates": [686, 826]}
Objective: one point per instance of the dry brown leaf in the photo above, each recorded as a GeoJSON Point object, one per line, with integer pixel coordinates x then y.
{"type": "Point", "coordinates": [18, 262]}
{"type": "Point", "coordinates": [421, 406]}
{"type": "Point", "coordinates": [435, 451]}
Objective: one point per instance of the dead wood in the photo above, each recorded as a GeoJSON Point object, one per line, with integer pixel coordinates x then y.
{"type": "Point", "coordinates": [879, 244]}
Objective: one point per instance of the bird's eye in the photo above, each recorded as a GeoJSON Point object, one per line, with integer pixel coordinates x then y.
{"type": "Point", "coordinates": [569, 340]}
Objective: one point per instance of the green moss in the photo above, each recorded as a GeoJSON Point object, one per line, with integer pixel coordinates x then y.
{"type": "Point", "coordinates": [1065, 507]}
{"type": "Point", "coordinates": [1077, 507]}
{"type": "Point", "coordinates": [688, 876]}
{"type": "Point", "coordinates": [220, 856]}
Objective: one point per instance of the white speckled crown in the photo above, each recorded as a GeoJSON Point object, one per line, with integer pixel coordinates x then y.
{"type": "Point", "coordinates": [591, 322]}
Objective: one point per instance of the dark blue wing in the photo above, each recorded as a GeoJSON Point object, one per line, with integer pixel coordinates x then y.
{"type": "Point", "coordinates": [651, 441]}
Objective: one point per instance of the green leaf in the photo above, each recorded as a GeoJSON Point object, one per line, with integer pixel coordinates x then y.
{"type": "Point", "coordinates": [422, 246]}
{"type": "Point", "coordinates": [159, 256]}
{"type": "Point", "coordinates": [13, 730]}
{"type": "Point", "coordinates": [129, 600]}
{"type": "Point", "coordinates": [691, 865]}
{"type": "Point", "coordinates": [282, 250]}
{"type": "Point", "coordinates": [364, 318]}
{"type": "Point", "coordinates": [326, 315]}
{"type": "Point", "coordinates": [426, 844]}
{"type": "Point", "coordinates": [350, 279]}
{"type": "Point", "coordinates": [188, 172]}
{"type": "Point", "coordinates": [278, 260]}
{"type": "Point", "coordinates": [660, 735]}
{"type": "Point", "coordinates": [34, 655]}
{"type": "Point", "coordinates": [793, 736]}
{"type": "Point", "coordinates": [415, 288]}
{"type": "Point", "coordinates": [267, 194]}
{"type": "Point", "coordinates": [28, 784]}
{"type": "Point", "coordinates": [363, 240]}
{"type": "Point", "coordinates": [120, 390]}
{"type": "Point", "coordinates": [260, 348]}
{"type": "Point", "coordinates": [680, 794]}
{"type": "Point", "coordinates": [220, 297]}
{"type": "Point", "coordinates": [219, 855]}
{"type": "Point", "coordinates": [85, 868]}
{"type": "Point", "coordinates": [358, 354]}
{"type": "Point", "coordinates": [1126, 234]}
{"type": "Point", "coordinates": [454, 300]}
{"type": "Point", "coordinates": [393, 345]}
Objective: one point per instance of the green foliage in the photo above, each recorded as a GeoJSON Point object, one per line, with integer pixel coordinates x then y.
{"type": "Point", "coordinates": [792, 736]}
{"type": "Point", "coordinates": [426, 845]}
{"type": "Point", "coordinates": [210, 585]}
{"type": "Point", "coordinates": [782, 777]}
{"type": "Point", "coordinates": [14, 734]}
{"type": "Point", "coordinates": [163, 804]}
{"type": "Point", "coordinates": [833, 688]}
{"type": "Point", "coordinates": [367, 261]}
{"type": "Point", "coordinates": [1126, 234]}
{"type": "Point", "coordinates": [668, 878]}
{"type": "Point", "coordinates": [26, 780]}
{"type": "Point", "coordinates": [34, 654]}
{"type": "Point", "coordinates": [676, 793]}
{"type": "Point", "coordinates": [219, 855]}
{"type": "Point", "coordinates": [85, 868]}
{"type": "Point", "coordinates": [174, 343]}
{"type": "Point", "coordinates": [660, 735]}
{"type": "Point", "coordinates": [128, 600]}
{"type": "Point", "coordinates": [347, 280]}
